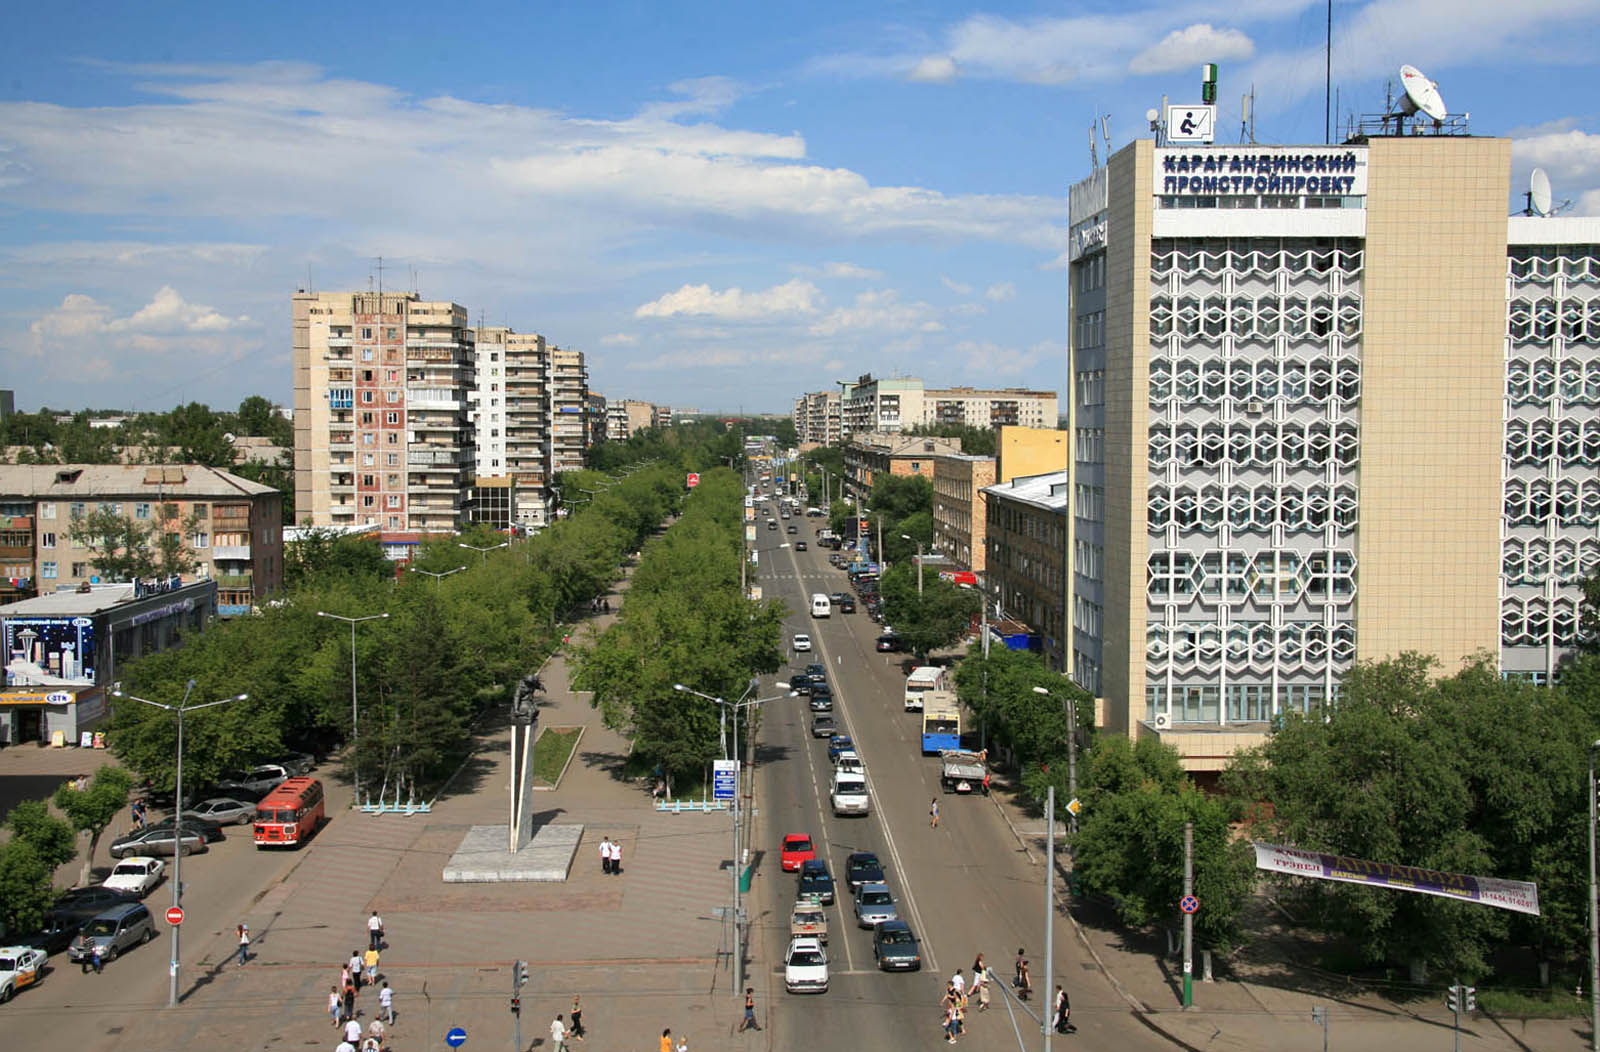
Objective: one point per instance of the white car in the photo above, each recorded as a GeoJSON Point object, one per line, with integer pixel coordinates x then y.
{"type": "Point", "coordinates": [138, 875]}
{"type": "Point", "coordinates": [802, 643]}
{"type": "Point", "coordinates": [849, 763]}
{"type": "Point", "coordinates": [805, 967]}
{"type": "Point", "coordinates": [19, 966]}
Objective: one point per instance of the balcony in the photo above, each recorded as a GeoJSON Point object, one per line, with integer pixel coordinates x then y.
{"type": "Point", "coordinates": [433, 458]}
{"type": "Point", "coordinates": [234, 580]}
{"type": "Point", "coordinates": [230, 551]}
{"type": "Point", "coordinates": [432, 401]}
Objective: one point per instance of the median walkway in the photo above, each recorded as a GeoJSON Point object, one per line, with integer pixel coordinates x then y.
{"type": "Point", "coordinates": [1269, 1007]}
{"type": "Point", "coordinates": [645, 949]}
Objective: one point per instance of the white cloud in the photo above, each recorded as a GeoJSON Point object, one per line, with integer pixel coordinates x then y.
{"type": "Point", "coordinates": [934, 69]}
{"type": "Point", "coordinates": [619, 339]}
{"type": "Point", "coordinates": [850, 270]}
{"type": "Point", "coordinates": [984, 358]}
{"type": "Point", "coordinates": [878, 310]}
{"type": "Point", "coordinates": [959, 288]}
{"type": "Point", "coordinates": [1001, 292]}
{"type": "Point", "coordinates": [1570, 157]}
{"type": "Point", "coordinates": [792, 297]}
{"type": "Point", "coordinates": [84, 337]}
{"type": "Point", "coordinates": [1192, 45]}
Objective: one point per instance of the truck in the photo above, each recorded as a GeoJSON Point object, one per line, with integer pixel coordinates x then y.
{"type": "Point", "coordinates": [923, 679]}
{"type": "Point", "coordinates": [963, 771]}
{"type": "Point", "coordinates": [849, 794]}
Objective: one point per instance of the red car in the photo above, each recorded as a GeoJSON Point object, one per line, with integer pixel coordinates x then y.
{"type": "Point", "coordinates": [797, 849]}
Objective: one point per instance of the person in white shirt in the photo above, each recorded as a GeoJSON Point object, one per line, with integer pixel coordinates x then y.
{"type": "Point", "coordinates": [605, 855]}
{"type": "Point", "coordinates": [374, 931]}
{"type": "Point", "coordinates": [345, 1046]}
{"type": "Point", "coordinates": [386, 1002]}
{"type": "Point", "coordinates": [958, 982]}
{"type": "Point", "coordinates": [354, 964]}
{"type": "Point", "coordinates": [558, 1034]}
{"type": "Point", "coordinates": [352, 1032]}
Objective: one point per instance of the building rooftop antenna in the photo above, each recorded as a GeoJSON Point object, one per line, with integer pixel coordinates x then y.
{"type": "Point", "coordinates": [1105, 134]}
{"type": "Point", "coordinates": [1539, 199]}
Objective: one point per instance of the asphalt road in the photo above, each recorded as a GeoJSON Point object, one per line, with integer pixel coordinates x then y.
{"type": "Point", "coordinates": [964, 887]}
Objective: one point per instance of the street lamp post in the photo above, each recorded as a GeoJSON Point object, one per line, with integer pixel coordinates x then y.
{"type": "Point", "coordinates": [738, 864]}
{"type": "Point", "coordinates": [177, 816]}
{"type": "Point", "coordinates": [913, 540]}
{"type": "Point", "coordinates": [355, 733]}
{"type": "Point", "coordinates": [483, 551]}
{"type": "Point", "coordinates": [437, 577]}
{"type": "Point", "coordinates": [1072, 755]}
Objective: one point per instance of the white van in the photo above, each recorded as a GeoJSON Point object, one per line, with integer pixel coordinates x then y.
{"type": "Point", "coordinates": [849, 794]}
{"type": "Point", "coordinates": [924, 679]}
{"type": "Point", "coordinates": [821, 606]}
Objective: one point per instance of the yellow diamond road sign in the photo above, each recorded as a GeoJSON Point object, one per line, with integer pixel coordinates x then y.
{"type": "Point", "coordinates": [1074, 806]}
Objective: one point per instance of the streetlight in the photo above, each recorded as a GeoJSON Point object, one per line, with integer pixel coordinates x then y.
{"type": "Point", "coordinates": [738, 935]}
{"type": "Point", "coordinates": [1594, 916]}
{"type": "Point", "coordinates": [355, 732]}
{"type": "Point", "coordinates": [913, 540]}
{"type": "Point", "coordinates": [177, 815]}
{"type": "Point", "coordinates": [437, 577]}
{"type": "Point", "coordinates": [1072, 754]}
{"type": "Point", "coordinates": [483, 551]}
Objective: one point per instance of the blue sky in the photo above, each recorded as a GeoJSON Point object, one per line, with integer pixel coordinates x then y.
{"type": "Point", "coordinates": [722, 205]}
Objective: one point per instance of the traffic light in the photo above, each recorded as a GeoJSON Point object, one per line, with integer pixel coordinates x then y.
{"type": "Point", "coordinates": [1455, 999]}
{"type": "Point", "coordinates": [516, 1006]}
{"type": "Point", "coordinates": [1472, 999]}
{"type": "Point", "coordinates": [519, 974]}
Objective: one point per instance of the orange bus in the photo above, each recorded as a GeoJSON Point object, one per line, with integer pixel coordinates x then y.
{"type": "Point", "coordinates": [287, 816]}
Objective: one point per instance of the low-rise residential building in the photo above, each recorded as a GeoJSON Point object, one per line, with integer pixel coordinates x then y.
{"type": "Point", "coordinates": [63, 651]}
{"type": "Point", "coordinates": [869, 455]}
{"type": "Point", "coordinates": [1026, 570]}
{"type": "Point", "coordinates": [236, 537]}
{"type": "Point", "coordinates": [960, 522]}
{"type": "Point", "coordinates": [904, 403]}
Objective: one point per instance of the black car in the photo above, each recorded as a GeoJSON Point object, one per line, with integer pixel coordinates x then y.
{"type": "Point", "coordinates": [889, 642]}
{"type": "Point", "coordinates": [56, 933]}
{"type": "Point", "coordinates": [800, 682]}
{"type": "Point", "coordinates": [847, 605]}
{"type": "Point", "coordinates": [821, 698]}
{"type": "Point", "coordinates": [863, 867]}
{"type": "Point", "coordinates": [895, 948]}
{"type": "Point", "coordinates": [82, 903]}
{"type": "Point", "coordinates": [193, 823]}
{"type": "Point", "coordinates": [816, 883]}
{"type": "Point", "coordinates": [800, 546]}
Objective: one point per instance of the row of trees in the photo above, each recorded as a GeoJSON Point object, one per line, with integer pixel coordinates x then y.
{"type": "Point", "coordinates": [686, 622]}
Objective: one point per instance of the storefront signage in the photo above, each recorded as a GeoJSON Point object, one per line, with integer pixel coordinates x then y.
{"type": "Point", "coordinates": [49, 651]}
{"type": "Point", "coordinates": [35, 697]}
{"type": "Point", "coordinates": [1275, 171]}
{"type": "Point", "coordinates": [181, 606]}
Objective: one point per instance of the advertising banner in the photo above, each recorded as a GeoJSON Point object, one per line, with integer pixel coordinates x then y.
{"type": "Point", "coordinates": [49, 651]}
{"type": "Point", "coordinates": [1514, 895]}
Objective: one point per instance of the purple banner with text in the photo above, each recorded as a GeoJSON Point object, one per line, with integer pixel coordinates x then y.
{"type": "Point", "coordinates": [1515, 895]}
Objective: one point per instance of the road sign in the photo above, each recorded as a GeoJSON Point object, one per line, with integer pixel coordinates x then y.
{"type": "Point", "coordinates": [1189, 904]}
{"type": "Point", "coordinates": [1191, 124]}
{"type": "Point", "coordinates": [724, 779]}
{"type": "Point", "coordinates": [693, 480]}
{"type": "Point", "coordinates": [456, 1037]}
{"type": "Point", "coordinates": [175, 915]}
{"type": "Point", "coordinates": [1074, 807]}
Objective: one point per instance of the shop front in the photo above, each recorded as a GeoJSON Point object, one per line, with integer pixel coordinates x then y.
{"type": "Point", "coordinates": [54, 717]}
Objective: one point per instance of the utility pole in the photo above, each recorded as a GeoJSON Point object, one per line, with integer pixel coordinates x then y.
{"type": "Point", "coordinates": [1049, 913]}
{"type": "Point", "coordinates": [1188, 918]}
{"type": "Point", "coordinates": [519, 975]}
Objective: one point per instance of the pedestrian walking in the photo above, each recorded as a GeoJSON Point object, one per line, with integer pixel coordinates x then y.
{"type": "Point", "coordinates": [1062, 1012]}
{"type": "Point", "coordinates": [350, 999]}
{"type": "Point", "coordinates": [576, 1029]}
{"type": "Point", "coordinates": [352, 1031]}
{"type": "Point", "coordinates": [344, 1046]}
{"type": "Point", "coordinates": [666, 1040]}
{"type": "Point", "coordinates": [558, 1034]}
{"type": "Point", "coordinates": [950, 1024]}
{"type": "Point", "coordinates": [355, 967]}
{"type": "Point", "coordinates": [386, 1003]}
{"type": "Point", "coordinates": [983, 997]}
{"type": "Point", "coordinates": [372, 1044]}
{"type": "Point", "coordinates": [376, 1031]}
{"type": "Point", "coordinates": [1024, 983]}
{"type": "Point", "coordinates": [335, 1005]}
{"type": "Point", "coordinates": [933, 813]}
{"type": "Point", "coordinates": [98, 956]}
{"type": "Point", "coordinates": [369, 965]}
{"type": "Point", "coordinates": [958, 984]}
{"type": "Point", "coordinates": [375, 931]}
{"type": "Point", "coordinates": [605, 855]}
{"type": "Point", "coordinates": [243, 932]}
{"type": "Point", "coordinates": [616, 857]}
{"type": "Point", "coordinates": [683, 1043]}
{"type": "Point", "coordinates": [1017, 977]}
{"type": "Point", "coordinates": [749, 1021]}
{"type": "Point", "coordinates": [344, 977]}
{"type": "Point", "coordinates": [979, 971]}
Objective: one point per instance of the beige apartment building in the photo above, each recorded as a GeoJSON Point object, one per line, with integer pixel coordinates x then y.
{"type": "Point", "coordinates": [874, 404]}
{"type": "Point", "coordinates": [626, 417]}
{"type": "Point", "coordinates": [817, 419]}
{"type": "Point", "coordinates": [236, 539]}
{"type": "Point", "coordinates": [1026, 568]}
{"type": "Point", "coordinates": [569, 388]}
{"type": "Point", "coordinates": [510, 414]}
{"type": "Point", "coordinates": [959, 518]}
{"type": "Point", "coordinates": [870, 455]}
{"type": "Point", "coordinates": [380, 412]}
{"type": "Point", "coordinates": [1328, 405]}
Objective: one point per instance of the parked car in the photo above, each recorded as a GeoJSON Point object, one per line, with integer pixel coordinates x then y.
{"type": "Point", "coordinates": [800, 546]}
{"type": "Point", "coordinates": [138, 875]}
{"type": "Point", "coordinates": [222, 810]}
{"type": "Point", "coordinates": [299, 764]}
{"type": "Point", "coordinates": [895, 948]}
{"type": "Point", "coordinates": [816, 883]}
{"type": "Point", "coordinates": [838, 744]}
{"type": "Point", "coordinates": [118, 929]}
{"type": "Point", "coordinates": [874, 905]}
{"type": "Point", "coordinates": [805, 967]}
{"type": "Point", "coordinates": [56, 934]}
{"type": "Point", "coordinates": [889, 643]}
{"type": "Point", "coordinates": [863, 867]}
{"type": "Point", "coordinates": [79, 904]}
{"type": "Point", "coordinates": [797, 850]}
{"type": "Point", "coordinates": [254, 783]}
{"type": "Point", "coordinates": [810, 920]}
{"type": "Point", "coordinates": [822, 726]}
{"type": "Point", "coordinates": [156, 841]}
{"type": "Point", "coordinates": [802, 643]}
{"type": "Point", "coordinates": [20, 966]}
{"type": "Point", "coordinates": [193, 823]}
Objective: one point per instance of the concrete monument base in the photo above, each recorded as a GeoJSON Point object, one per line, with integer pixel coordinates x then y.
{"type": "Point", "coordinates": [482, 857]}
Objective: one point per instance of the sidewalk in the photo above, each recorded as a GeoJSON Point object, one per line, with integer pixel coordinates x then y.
{"type": "Point", "coordinates": [1238, 1014]}
{"type": "Point", "coordinates": [644, 949]}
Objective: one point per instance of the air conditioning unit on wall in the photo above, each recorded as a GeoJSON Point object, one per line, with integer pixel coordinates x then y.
{"type": "Point", "coordinates": [1161, 721]}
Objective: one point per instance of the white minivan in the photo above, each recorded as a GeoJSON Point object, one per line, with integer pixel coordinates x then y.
{"type": "Point", "coordinates": [821, 606]}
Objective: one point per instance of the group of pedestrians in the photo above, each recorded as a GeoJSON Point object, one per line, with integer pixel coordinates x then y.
{"type": "Point", "coordinates": [360, 970]}
{"type": "Point", "coordinates": [610, 855]}
{"type": "Point", "coordinates": [561, 1029]}
{"type": "Point", "coordinates": [599, 604]}
{"type": "Point", "coordinates": [960, 993]}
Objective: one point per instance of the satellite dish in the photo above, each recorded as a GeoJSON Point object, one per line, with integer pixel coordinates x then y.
{"type": "Point", "coordinates": [1152, 115]}
{"type": "Point", "coordinates": [1422, 94]}
{"type": "Point", "coordinates": [1539, 193]}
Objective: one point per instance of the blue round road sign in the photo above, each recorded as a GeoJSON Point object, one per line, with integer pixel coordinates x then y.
{"type": "Point", "coordinates": [1189, 904]}
{"type": "Point", "coordinates": [456, 1037]}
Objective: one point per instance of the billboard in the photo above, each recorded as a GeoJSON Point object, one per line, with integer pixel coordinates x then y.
{"type": "Point", "coordinates": [49, 651]}
{"type": "Point", "coordinates": [1515, 895]}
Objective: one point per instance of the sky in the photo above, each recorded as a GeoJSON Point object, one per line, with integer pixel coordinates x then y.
{"type": "Point", "coordinates": [722, 205]}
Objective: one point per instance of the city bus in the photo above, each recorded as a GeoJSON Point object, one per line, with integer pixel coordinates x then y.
{"type": "Point", "coordinates": [941, 722]}
{"type": "Point", "coordinates": [287, 816]}
{"type": "Point", "coordinates": [924, 679]}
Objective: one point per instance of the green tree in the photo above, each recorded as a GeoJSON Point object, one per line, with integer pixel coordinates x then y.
{"type": "Point", "coordinates": [123, 548]}
{"type": "Point", "coordinates": [322, 554]}
{"type": "Point", "coordinates": [999, 690]}
{"type": "Point", "coordinates": [978, 441]}
{"type": "Point", "coordinates": [199, 436]}
{"type": "Point", "coordinates": [52, 839]}
{"type": "Point", "coordinates": [898, 497]}
{"type": "Point", "coordinates": [1129, 845]}
{"type": "Point", "coordinates": [941, 615]}
{"type": "Point", "coordinates": [26, 887]}
{"type": "Point", "coordinates": [258, 416]}
{"type": "Point", "coordinates": [91, 810]}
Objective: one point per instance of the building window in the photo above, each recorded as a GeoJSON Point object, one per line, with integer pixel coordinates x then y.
{"type": "Point", "coordinates": [77, 509]}
{"type": "Point", "coordinates": [201, 539]}
{"type": "Point", "coordinates": [392, 397]}
{"type": "Point", "coordinates": [366, 332]}
{"type": "Point", "coordinates": [391, 418]}
{"type": "Point", "coordinates": [80, 569]}
{"type": "Point", "coordinates": [47, 569]}
{"type": "Point", "coordinates": [107, 507]}
{"type": "Point", "coordinates": [201, 511]}
{"type": "Point", "coordinates": [47, 539]}
{"type": "Point", "coordinates": [366, 397]}
{"type": "Point", "coordinates": [392, 459]}
{"type": "Point", "coordinates": [366, 354]}
{"type": "Point", "coordinates": [367, 459]}
{"type": "Point", "coordinates": [368, 501]}
{"type": "Point", "coordinates": [394, 500]}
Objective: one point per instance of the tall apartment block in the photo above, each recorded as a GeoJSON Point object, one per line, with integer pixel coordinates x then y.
{"type": "Point", "coordinates": [567, 381]}
{"type": "Point", "coordinates": [1328, 404]}
{"type": "Point", "coordinates": [380, 412]}
{"type": "Point", "coordinates": [818, 419]}
{"type": "Point", "coordinates": [595, 412]}
{"type": "Point", "coordinates": [511, 420]}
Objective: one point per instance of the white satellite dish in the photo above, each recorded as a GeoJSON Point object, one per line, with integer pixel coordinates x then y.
{"type": "Point", "coordinates": [1422, 94]}
{"type": "Point", "coordinates": [1539, 193]}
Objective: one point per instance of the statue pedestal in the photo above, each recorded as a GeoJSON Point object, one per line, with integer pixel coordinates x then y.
{"type": "Point", "coordinates": [482, 857]}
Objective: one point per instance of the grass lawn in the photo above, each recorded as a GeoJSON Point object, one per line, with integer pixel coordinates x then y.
{"type": "Point", "coordinates": [551, 751]}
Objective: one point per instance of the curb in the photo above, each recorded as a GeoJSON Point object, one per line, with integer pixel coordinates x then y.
{"type": "Point", "coordinates": [570, 757]}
